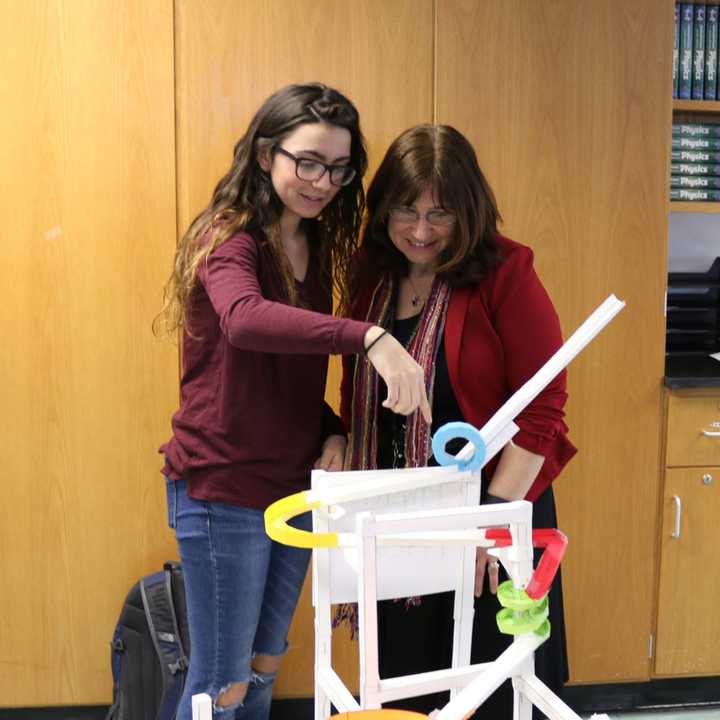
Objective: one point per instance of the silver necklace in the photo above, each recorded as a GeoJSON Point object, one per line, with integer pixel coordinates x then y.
{"type": "Point", "coordinates": [417, 298]}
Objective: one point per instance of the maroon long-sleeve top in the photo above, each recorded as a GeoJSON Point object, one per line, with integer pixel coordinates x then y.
{"type": "Point", "coordinates": [252, 417]}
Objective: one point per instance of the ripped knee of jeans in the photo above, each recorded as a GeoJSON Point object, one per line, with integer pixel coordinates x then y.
{"type": "Point", "coordinates": [230, 697]}
{"type": "Point", "coordinates": [262, 679]}
{"type": "Point", "coordinates": [265, 664]}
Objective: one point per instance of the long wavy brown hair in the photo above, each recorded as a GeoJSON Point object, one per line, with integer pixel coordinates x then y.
{"type": "Point", "coordinates": [440, 157]}
{"type": "Point", "coordinates": [244, 199]}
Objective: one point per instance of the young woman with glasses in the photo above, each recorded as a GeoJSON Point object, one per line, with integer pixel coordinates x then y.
{"type": "Point", "coordinates": [466, 302]}
{"type": "Point", "coordinates": [251, 292]}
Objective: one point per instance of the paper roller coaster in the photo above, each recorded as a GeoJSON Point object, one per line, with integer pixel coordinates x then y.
{"type": "Point", "coordinates": [398, 533]}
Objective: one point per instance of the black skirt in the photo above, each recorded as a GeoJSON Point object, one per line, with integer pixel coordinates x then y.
{"type": "Point", "coordinates": [419, 639]}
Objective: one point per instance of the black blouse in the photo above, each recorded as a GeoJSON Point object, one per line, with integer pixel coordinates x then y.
{"type": "Point", "coordinates": [445, 408]}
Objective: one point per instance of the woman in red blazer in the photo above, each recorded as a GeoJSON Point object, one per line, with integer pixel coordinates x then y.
{"type": "Point", "coordinates": [466, 302]}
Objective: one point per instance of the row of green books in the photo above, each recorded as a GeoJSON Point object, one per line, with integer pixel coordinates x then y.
{"type": "Point", "coordinates": [695, 162]}
{"type": "Point", "coordinates": [696, 143]}
{"type": "Point", "coordinates": [695, 52]}
{"type": "Point", "coordinates": [696, 182]}
{"type": "Point", "coordinates": [686, 194]}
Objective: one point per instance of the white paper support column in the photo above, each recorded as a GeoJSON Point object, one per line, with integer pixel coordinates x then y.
{"type": "Point", "coordinates": [335, 690]}
{"type": "Point", "coordinates": [549, 703]}
{"type": "Point", "coordinates": [464, 606]}
{"type": "Point", "coordinates": [201, 707]}
{"type": "Point", "coordinates": [367, 614]}
{"type": "Point", "coordinates": [522, 706]}
{"type": "Point", "coordinates": [323, 621]}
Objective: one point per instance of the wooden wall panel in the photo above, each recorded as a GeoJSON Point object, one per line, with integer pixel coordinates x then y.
{"type": "Point", "coordinates": [568, 105]}
{"type": "Point", "coordinates": [230, 57]}
{"type": "Point", "coordinates": [87, 173]}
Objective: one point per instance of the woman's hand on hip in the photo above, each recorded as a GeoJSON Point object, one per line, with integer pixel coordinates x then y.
{"type": "Point", "coordinates": [332, 457]}
{"type": "Point", "coordinates": [403, 376]}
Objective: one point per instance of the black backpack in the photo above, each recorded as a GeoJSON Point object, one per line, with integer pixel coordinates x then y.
{"type": "Point", "coordinates": [150, 648]}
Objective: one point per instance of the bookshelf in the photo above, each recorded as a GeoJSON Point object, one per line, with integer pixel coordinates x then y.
{"type": "Point", "coordinates": [696, 106]}
{"type": "Point", "coordinates": [682, 206]}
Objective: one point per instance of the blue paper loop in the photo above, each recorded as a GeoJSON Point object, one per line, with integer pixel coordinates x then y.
{"type": "Point", "coordinates": [450, 431]}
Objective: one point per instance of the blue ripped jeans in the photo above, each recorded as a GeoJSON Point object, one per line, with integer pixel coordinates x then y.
{"type": "Point", "coordinates": [241, 590]}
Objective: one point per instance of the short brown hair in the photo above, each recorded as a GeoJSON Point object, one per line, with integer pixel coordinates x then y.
{"type": "Point", "coordinates": [440, 157]}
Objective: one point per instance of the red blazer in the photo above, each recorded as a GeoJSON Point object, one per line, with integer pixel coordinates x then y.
{"type": "Point", "coordinates": [498, 333]}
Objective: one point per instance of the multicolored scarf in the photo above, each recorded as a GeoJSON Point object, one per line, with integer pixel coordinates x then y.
{"type": "Point", "coordinates": [423, 347]}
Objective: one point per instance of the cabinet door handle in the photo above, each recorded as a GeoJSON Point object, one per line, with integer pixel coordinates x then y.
{"type": "Point", "coordinates": [675, 534]}
{"type": "Point", "coordinates": [711, 433]}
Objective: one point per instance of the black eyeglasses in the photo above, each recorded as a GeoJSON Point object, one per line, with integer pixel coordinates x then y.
{"type": "Point", "coordinates": [313, 170]}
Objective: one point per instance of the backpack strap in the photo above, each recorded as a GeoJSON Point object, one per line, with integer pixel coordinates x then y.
{"type": "Point", "coordinates": [159, 609]}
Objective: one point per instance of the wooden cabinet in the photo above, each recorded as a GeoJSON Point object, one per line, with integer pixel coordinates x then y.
{"type": "Point", "coordinates": [572, 129]}
{"type": "Point", "coordinates": [688, 639]}
{"type": "Point", "coordinates": [693, 430]}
